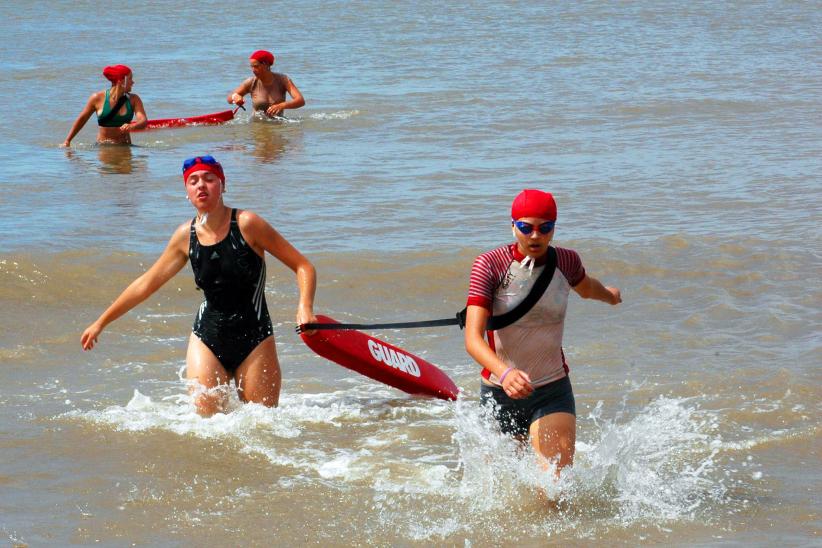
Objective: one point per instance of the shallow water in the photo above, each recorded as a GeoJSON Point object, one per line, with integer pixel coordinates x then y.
{"type": "Point", "coordinates": [681, 142]}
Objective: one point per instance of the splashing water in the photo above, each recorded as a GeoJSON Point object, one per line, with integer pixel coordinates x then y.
{"type": "Point", "coordinates": [652, 466]}
{"type": "Point", "coordinates": [655, 467]}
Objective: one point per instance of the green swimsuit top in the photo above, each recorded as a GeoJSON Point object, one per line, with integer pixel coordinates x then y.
{"type": "Point", "coordinates": [116, 120]}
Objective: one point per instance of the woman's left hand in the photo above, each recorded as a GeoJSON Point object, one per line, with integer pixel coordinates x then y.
{"type": "Point", "coordinates": [275, 110]}
{"type": "Point", "coordinates": [517, 384]}
{"type": "Point", "coordinates": [126, 127]}
{"type": "Point", "coordinates": [616, 295]}
{"type": "Point", "coordinates": [304, 317]}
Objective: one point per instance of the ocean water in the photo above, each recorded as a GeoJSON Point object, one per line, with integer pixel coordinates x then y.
{"type": "Point", "coordinates": [681, 140]}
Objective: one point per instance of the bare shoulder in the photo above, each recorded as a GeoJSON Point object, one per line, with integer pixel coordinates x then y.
{"type": "Point", "coordinates": [247, 216]}
{"type": "Point", "coordinates": [250, 221]}
{"type": "Point", "coordinates": [97, 98]}
{"type": "Point", "coordinates": [181, 234]}
{"type": "Point", "coordinates": [256, 231]}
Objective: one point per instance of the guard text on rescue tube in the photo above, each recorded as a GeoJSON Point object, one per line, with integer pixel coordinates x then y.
{"type": "Point", "coordinates": [395, 359]}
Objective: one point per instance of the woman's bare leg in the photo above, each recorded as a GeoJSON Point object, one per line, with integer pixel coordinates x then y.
{"type": "Point", "coordinates": [258, 378]}
{"type": "Point", "coordinates": [553, 438]}
{"type": "Point", "coordinates": [202, 366]}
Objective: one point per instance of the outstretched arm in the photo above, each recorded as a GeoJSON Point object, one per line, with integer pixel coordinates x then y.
{"type": "Point", "coordinates": [85, 114]}
{"type": "Point", "coordinates": [517, 383]}
{"type": "Point", "coordinates": [170, 263]}
{"type": "Point", "coordinates": [261, 235]}
{"type": "Point", "coordinates": [591, 288]}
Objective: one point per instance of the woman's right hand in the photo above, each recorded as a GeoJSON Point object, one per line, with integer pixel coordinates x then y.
{"type": "Point", "coordinates": [517, 384]}
{"type": "Point", "coordinates": [236, 99]}
{"type": "Point", "coordinates": [89, 337]}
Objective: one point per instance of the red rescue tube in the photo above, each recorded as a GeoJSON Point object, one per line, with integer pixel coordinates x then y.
{"type": "Point", "coordinates": [381, 361]}
{"type": "Point", "coordinates": [203, 120]}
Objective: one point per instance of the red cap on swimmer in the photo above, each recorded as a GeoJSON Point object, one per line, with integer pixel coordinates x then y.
{"type": "Point", "coordinates": [202, 163]}
{"type": "Point", "coordinates": [534, 203]}
{"type": "Point", "coordinates": [263, 57]}
{"type": "Point", "coordinates": [116, 73]}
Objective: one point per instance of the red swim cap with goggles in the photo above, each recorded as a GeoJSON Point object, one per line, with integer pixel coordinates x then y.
{"type": "Point", "coordinates": [202, 163]}
{"type": "Point", "coordinates": [115, 73]}
{"type": "Point", "coordinates": [534, 203]}
{"type": "Point", "coordinates": [263, 57]}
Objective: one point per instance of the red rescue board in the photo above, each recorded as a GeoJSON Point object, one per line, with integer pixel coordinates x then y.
{"type": "Point", "coordinates": [381, 361]}
{"type": "Point", "coordinates": [203, 120]}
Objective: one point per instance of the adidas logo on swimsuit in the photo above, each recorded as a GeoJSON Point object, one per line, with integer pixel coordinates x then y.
{"type": "Point", "coordinates": [395, 359]}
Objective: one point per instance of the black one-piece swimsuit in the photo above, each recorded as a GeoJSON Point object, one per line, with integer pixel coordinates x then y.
{"type": "Point", "coordinates": [233, 318]}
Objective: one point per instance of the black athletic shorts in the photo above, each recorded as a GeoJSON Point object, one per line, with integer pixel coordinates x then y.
{"type": "Point", "coordinates": [515, 416]}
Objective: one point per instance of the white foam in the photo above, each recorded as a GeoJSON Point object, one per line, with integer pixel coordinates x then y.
{"type": "Point", "coordinates": [648, 465]}
{"type": "Point", "coordinates": [177, 414]}
{"type": "Point", "coordinates": [346, 464]}
{"type": "Point", "coordinates": [339, 115]}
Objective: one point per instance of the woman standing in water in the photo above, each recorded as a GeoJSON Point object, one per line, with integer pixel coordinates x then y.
{"type": "Point", "coordinates": [525, 377]}
{"type": "Point", "coordinates": [232, 335]}
{"type": "Point", "coordinates": [118, 110]}
{"type": "Point", "coordinates": [267, 89]}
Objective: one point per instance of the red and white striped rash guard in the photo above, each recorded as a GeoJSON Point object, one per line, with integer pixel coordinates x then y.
{"type": "Point", "coordinates": [534, 343]}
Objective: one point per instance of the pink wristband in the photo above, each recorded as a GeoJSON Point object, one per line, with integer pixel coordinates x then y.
{"type": "Point", "coordinates": [502, 378]}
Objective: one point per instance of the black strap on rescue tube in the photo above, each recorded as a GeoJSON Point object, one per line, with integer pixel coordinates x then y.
{"type": "Point", "coordinates": [494, 322]}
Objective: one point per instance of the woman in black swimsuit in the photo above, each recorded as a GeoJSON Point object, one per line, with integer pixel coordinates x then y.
{"type": "Point", "coordinates": [232, 335]}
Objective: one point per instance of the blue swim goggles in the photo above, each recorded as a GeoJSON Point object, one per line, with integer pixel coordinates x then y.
{"type": "Point", "coordinates": [207, 159]}
{"type": "Point", "coordinates": [527, 228]}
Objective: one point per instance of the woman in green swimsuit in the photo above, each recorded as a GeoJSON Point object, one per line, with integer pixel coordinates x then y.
{"type": "Point", "coordinates": [118, 111]}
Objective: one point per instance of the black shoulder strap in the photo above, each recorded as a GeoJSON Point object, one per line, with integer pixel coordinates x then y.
{"type": "Point", "coordinates": [192, 235]}
{"type": "Point", "coordinates": [536, 293]}
{"type": "Point", "coordinates": [114, 110]}
{"type": "Point", "coordinates": [495, 322]}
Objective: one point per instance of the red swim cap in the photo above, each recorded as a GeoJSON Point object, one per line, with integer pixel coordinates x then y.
{"type": "Point", "coordinates": [534, 203]}
{"type": "Point", "coordinates": [202, 163]}
{"type": "Point", "coordinates": [263, 57]}
{"type": "Point", "coordinates": [116, 73]}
